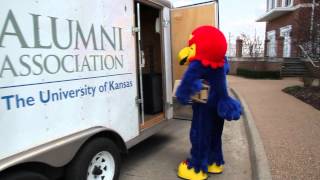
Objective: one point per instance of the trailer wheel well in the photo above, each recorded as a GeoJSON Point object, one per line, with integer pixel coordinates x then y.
{"type": "Point", "coordinates": [112, 136]}
{"type": "Point", "coordinates": [51, 171]}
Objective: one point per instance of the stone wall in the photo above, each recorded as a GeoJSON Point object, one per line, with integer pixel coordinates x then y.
{"type": "Point", "coordinates": [257, 64]}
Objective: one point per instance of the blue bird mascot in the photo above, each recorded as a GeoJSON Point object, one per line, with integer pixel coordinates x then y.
{"type": "Point", "coordinates": [206, 61]}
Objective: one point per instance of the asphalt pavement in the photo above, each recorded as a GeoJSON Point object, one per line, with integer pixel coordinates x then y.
{"type": "Point", "coordinates": [157, 158]}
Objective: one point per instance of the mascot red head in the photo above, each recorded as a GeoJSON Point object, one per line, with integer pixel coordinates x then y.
{"type": "Point", "coordinates": [208, 45]}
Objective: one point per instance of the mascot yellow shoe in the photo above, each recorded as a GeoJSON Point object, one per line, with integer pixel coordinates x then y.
{"type": "Point", "coordinates": [215, 169]}
{"type": "Point", "coordinates": [186, 173]}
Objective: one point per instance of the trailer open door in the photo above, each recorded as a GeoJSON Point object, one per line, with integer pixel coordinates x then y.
{"type": "Point", "coordinates": [167, 59]}
{"type": "Point", "coordinates": [183, 21]}
{"type": "Point", "coordinates": [154, 62]}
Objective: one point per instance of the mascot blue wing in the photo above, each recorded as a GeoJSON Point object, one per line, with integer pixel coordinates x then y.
{"type": "Point", "coordinates": [228, 108]}
{"type": "Point", "coordinates": [191, 82]}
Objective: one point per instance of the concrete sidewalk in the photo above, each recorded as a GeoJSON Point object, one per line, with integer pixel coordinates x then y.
{"type": "Point", "coordinates": [289, 128]}
{"type": "Point", "coordinates": [157, 158]}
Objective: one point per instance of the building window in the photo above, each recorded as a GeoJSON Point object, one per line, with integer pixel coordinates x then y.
{"type": "Point", "coordinates": [271, 4]}
{"type": "Point", "coordinates": [285, 33]}
{"type": "Point", "coordinates": [286, 3]}
{"type": "Point", "coordinates": [272, 44]}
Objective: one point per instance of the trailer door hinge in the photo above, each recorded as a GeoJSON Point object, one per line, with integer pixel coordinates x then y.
{"type": "Point", "coordinates": [138, 101]}
{"type": "Point", "coordinates": [135, 29]}
{"type": "Point", "coordinates": [165, 23]}
{"type": "Point", "coordinates": [169, 105]}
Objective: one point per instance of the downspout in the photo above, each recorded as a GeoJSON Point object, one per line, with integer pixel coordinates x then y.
{"type": "Point", "coordinates": [219, 13]}
{"type": "Point", "coordinates": [312, 20]}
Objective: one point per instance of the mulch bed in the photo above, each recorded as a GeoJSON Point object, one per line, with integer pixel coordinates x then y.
{"type": "Point", "coordinates": [309, 95]}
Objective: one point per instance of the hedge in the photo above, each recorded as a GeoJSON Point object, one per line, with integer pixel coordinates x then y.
{"type": "Point", "coordinates": [258, 74]}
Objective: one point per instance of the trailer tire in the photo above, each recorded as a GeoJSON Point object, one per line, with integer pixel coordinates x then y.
{"type": "Point", "coordinates": [99, 159]}
{"type": "Point", "coordinates": [23, 175]}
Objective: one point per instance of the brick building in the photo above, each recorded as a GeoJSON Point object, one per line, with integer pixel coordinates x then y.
{"type": "Point", "coordinates": [290, 23]}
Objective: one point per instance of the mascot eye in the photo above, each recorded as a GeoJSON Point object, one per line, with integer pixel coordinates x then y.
{"type": "Point", "coordinates": [190, 36]}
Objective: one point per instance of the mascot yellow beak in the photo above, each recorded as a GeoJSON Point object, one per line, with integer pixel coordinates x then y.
{"type": "Point", "coordinates": [186, 53]}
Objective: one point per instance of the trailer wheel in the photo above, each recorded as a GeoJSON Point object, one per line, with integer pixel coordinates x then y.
{"type": "Point", "coordinates": [97, 160]}
{"type": "Point", "coordinates": [23, 175]}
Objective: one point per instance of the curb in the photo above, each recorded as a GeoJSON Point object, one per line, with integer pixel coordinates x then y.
{"type": "Point", "coordinates": [258, 157]}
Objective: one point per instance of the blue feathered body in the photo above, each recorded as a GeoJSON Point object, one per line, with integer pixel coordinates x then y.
{"type": "Point", "coordinates": [208, 119]}
{"type": "Point", "coordinates": [218, 99]}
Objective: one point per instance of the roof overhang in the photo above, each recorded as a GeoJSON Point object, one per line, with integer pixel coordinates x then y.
{"type": "Point", "coordinates": [275, 13]}
{"type": "Point", "coordinates": [184, 3]}
{"type": "Point", "coordinates": [162, 3]}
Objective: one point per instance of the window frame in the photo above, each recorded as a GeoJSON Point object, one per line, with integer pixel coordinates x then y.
{"type": "Point", "coordinates": [283, 4]}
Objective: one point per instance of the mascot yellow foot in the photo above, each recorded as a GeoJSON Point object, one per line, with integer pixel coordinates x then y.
{"type": "Point", "coordinates": [215, 169]}
{"type": "Point", "coordinates": [186, 173]}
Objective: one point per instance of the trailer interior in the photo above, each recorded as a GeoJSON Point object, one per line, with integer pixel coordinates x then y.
{"type": "Point", "coordinates": [152, 110]}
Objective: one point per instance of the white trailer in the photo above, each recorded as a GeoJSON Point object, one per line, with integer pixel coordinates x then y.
{"type": "Point", "coordinates": [73, 76]}
{"type": "Point", "coordinates": [82, 81]}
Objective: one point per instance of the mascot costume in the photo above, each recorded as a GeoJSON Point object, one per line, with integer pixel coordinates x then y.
{"type": "Point", "coordinates": [207, 64]}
